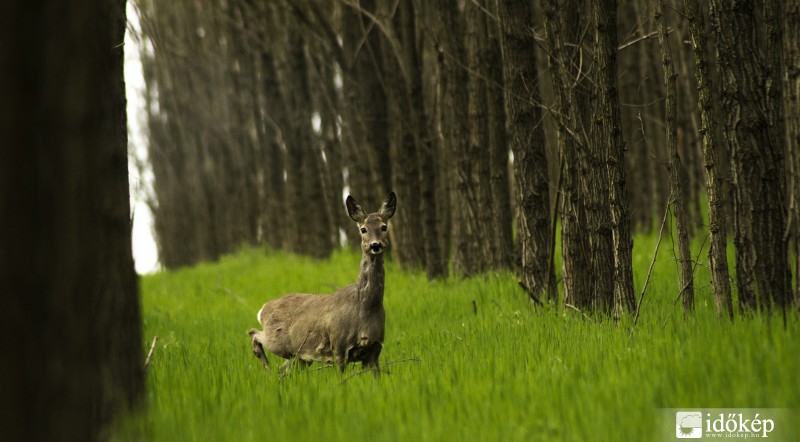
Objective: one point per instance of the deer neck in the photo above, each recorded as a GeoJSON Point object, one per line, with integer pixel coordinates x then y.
{"type": "Point", "coordinates": [369, 286]}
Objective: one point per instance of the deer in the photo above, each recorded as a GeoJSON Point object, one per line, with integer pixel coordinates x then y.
{"type": "Point", "coordinates": [344, 327]}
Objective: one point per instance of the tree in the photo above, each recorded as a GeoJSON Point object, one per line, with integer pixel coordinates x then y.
{"type": "Point", "coordinates": [526, 135]}
{"type": "Point", "coordinates": [365, 119]}
{"type": "Point", "coordinates": [72, 332]}
{"type": "Point", "coordinates": [677, 192]}
{"type": "Point", "coordinates": [564, 30]}
{"type": "Point", "coordinates": [499, 166]}
{"type": "Point", "coordinates": [791, 103]}
{"type": "Point", "coordinates": [757, 155]}
{"type": "Point", "coordinates": [717, 253]}
{"type": "Point", "coordinates": [468, 250]}
{"type": "Point", "coordinates": [401, 77]}
{"type": "Point", "coordinates": [608, 113]}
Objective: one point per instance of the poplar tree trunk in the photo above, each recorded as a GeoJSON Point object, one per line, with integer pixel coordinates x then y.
{"type": "Point", "coordinates": [449, 32]}
{"type": "Point", "coordinates": [717, 253]}
{"type": "Point", "coordinates": [674, 167]}
{"type": "Point", "coordinates": [71, 333]}
{"type": "Point", "coordinates": [563, 25]}
{"type": "Point", "coordinates": [596, 181]}
{"type": "Point", "coordinates": [425, 213]}
{"type": "Point", "coordinates": [757, 157]}
{"type": "Point", "coordinates": [399, 58]}
{"type": "Point", "coordinates": [791, 102]}
{"type": "Point", "coordinates": [478, 170]}
{"type": "Point", "coordinates": [365, 119]}
{"type": "Point", "coordinates": [526, 135]}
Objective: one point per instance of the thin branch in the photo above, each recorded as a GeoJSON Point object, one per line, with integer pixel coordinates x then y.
{"type": "Point", "coordinates": [321, 27]}
{"type": "Point", "coordinates": [388, 32]}
{"type": "Point", "coordinates": [641, 38]}
{"type": "Point", "coordinates": [484, 10]}
{"type": "Point", "coordinates": [150, 353]}
{"type": "Point", "coordinates": [232, 294]}
{"type": "Point", "coordinates": [650, 270]}
{"type": "Point", "coordinates": [534, 297]}
{"type": "Point", "coordinates": [572, 307]}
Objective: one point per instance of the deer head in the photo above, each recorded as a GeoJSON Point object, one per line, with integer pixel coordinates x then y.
{"type": "Point", "coordinates": [373, 227]}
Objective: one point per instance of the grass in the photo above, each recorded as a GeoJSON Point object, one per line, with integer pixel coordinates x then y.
{"type": "Point", "coordinates": [465, 360]}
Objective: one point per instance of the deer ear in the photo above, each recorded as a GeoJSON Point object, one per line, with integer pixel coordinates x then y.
{"type": "Point", "coordinates": [388, 207]}
{"type": "Point", "coordinates": [354, 210]}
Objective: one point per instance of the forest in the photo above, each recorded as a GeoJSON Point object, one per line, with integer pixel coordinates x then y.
{"type": "Point", "coordinates": [597, 216]}
{"type": "Point", "coordinates": [502, 124]}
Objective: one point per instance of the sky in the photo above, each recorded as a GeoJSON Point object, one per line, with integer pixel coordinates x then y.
{"type": "Point", "coordinates": [145, 253]}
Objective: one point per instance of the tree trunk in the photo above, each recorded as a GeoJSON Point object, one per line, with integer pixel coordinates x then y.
{"type": "Point", "coordinates": [476, 163]}
{"type": "Point", "coordinates": [596, 181]}
{"type": "Point", "coordinates": [526, 135]}
{"type": "Point", "coordinates": [563, 26]}
{"type": "Point", "coordinates": [717, 253]}
{"type": "Point", "coordinates": [305, 192]}
{"type": "Point", "coordinates": [398, 61]}
{"type": "Point", "coordinates": [757, 157]}
{"type": "Point", "coordinates": [365, 128]}
{"type": "Point", "coordinates": [455, 123]}
{"type": "Point", "coordinates": [791, 103]}
{"type": "Point", "coordinates": [71, 341]}
{"type": "Point", "coordinates": [677, 191]}
{"type": "Point", "coordinates": [425, 216]}
{"type": "Point", "coordinates": [275, 221]}
{"type": "Point", "coordinates": [501, 224]}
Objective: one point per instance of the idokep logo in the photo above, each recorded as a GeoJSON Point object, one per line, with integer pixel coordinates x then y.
{"type": "Point", "coordinates": [689, 424]}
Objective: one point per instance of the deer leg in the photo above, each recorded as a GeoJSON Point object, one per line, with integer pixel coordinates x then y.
{"type": "Point", "coordinates": [258, 348]}
{"type": "Point", "coordinates": [371, 360]}
{"type": "Point", "coordinates": [340, 356]}
{"type": "Point", "coordinates": [287, 366]}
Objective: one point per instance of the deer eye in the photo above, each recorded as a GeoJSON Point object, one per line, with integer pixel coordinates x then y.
{"type": "Point", "coordinates": [383, 228]}
{"type": "Point", "coordinates": [363, 230]}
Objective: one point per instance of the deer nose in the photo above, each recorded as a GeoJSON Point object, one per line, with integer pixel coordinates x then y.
{"type": "Point", "coordinates": [376, 246]}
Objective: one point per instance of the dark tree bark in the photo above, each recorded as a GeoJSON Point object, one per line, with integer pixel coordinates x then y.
{"type": "Point", "coordinates": [717, 253]}
{"type": "Point", "coordinates": [757, 157]}
{"type": "Point", "coordinates": [325, 101]}
{"type": "Point", "coordinates": [71, 341]}
{"type": "Point", "coordinates": [476, 162]}
{"type": "Point", "coordinates": [425, 216]}
{"type": "Point", "coordinates": [677, 191]}
{"type": "Point", "coordinates": [274, 221]}
{"type": "Point", "coordinates": [401, 79]}
{"type": "Point", "coordinates": [467, 254]}
{"type": "Point", "coordinates": [526, 136]}
{"type": "Point", "coordinates": [501, 225]}
{"type": "Point", "coordinates": [436, 154]}
{"type": "Point", "coordinates": [365, 120]}
{"type": "Point", "coordinates": [305, 191]}
{"type": "Point", "coordinates": [596, 182]}
{"type": "Point", "coordinates": [563, 27]}
{"type": "Point", "coordinates": [791, 103]}
{"type": "Point", "coordinates": [632, 90]}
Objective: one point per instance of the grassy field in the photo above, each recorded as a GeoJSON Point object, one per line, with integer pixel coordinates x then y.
{"type": "Point", "coordinates": [463, 360]}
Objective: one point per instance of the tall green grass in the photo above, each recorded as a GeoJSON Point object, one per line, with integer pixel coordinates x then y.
{"type": "Point", "coordinates": [463, 360]}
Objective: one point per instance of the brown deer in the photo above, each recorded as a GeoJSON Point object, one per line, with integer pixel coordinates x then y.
{"type": "Point", "coordinates": [343, 327]}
